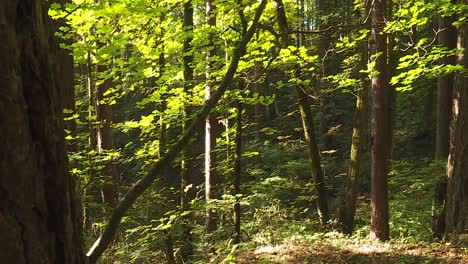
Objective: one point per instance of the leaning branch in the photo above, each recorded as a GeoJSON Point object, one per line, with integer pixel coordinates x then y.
{"type": "Point", "coordinates": [139, 187]}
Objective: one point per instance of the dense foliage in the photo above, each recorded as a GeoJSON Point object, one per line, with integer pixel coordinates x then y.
{"type": "Point", "coordinates": [132, 63]}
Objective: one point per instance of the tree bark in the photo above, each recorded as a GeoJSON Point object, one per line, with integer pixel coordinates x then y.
{"type": "Point", "coordinates": [104, 141]}
{"type": "Point", "coordinates": [457, 167]}
{"type": "Point", "coordinates": [39, 210]}
{"type": "Point", "coordinates": [380, 132]}
{"type": "Point", "coordinates": [212, 130]}
{"type": "Point", "coordinates": [186, 249]}
{"type": "Point", "coordinates": [139, 187]}
{"type": "Point", "coordinates": [237, 173]}
{"type": "Point", "coordinates": [448, 39]}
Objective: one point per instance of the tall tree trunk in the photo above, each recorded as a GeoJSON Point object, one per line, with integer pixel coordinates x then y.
{"type": "Point", "coordinates": [380, 132]}
{"type": "Point", "coordinates": [237, 173]}
{"type": "Point", "coordinates": [101, 244]}
{"type": "Point", "coordinates": [314, 155]}
{"type": "Point", "coordinates": [104, 140]}
{"type": "Point", "coordinates": [325, 19]}
{"type": "Point", "coordinates": [349, 199]}
{"type": "Point", "coordinates": [166, 184]}
{"type": "Point", "coordinates": [186, 250]}
{"type": "Point", "coordinates": [212, 129]}
{"type": "Point", "coordinates": [448, 39]}
{"type": "Point", "coordinates": [39, 210]}
{"type": "Point", "coordinates": [308, 126]}
{"type": "Point", "coordinates": [457, 167]}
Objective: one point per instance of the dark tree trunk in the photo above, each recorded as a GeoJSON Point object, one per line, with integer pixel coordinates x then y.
{"type": "Point", "coordinates": [186, 250]}
{"type": "Point", "coordinates": [380, 132]}
{"type": "Point", "coordinates": [448, 39]}
{"type": "Point", "coordinates": [457, 167]}
{"type": "Point", "coordinates": [328, 66]}
{"type": "Point", "coordinates": [237, 173]}
{"type": "Point", "coordinates": [39, 210]}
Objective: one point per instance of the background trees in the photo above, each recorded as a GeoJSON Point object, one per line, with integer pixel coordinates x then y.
{"type": "Point", "coordinates": [288, 83]}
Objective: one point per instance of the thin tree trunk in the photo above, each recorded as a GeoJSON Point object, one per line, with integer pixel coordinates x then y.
{"type": "Point", "coordinates": [186, 250]}
{"type": "Point", "coordinates": [212, 130]}
{"type": "Point", "coordinates": [168, 241]}
{"type": "Point", "coordinates": [380, 143]}
{"type": "Point", "coordinates": [237, 173]}
{"type": "Point", "coordinates": [104, 140]}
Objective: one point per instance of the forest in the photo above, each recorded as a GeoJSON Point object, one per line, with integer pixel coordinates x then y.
{"type": "Point", "coordinates": [233, 131]}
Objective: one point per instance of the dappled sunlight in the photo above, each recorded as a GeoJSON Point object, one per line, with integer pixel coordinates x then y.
{"type": "Point", "coordinates": [333, 248]}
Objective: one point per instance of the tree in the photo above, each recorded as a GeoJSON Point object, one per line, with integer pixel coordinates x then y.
{"type": "Point", "coordinates": [447, 38]}
{"type": "Point", "coordinates": [380, 125]}
{"type": "Point", "coordinates": [186, 165]}
{"type": "Point", "coordinates": [211, 126]}
{"type": "Point", "coordinates": [237, 172]}
{"type": "Point", "coordinates": [104, 140]}
{"type": "Point", "coordinates": [308, 126]}
{"type": "Point", "coordinates": [456, 217]}
{"type": "Point", "coordinates": [348, 204]}
{"type": "Point", "coordinates": [40, 215]}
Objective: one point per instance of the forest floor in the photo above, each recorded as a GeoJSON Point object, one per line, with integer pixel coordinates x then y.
{"type": "Point", "coordinates": [349, 250]}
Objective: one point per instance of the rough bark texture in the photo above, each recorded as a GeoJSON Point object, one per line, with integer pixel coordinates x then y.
{"type": "Point", "coordinates": [448, 39]}
{"type": "Point", "coordinates": [144, 183]}
{"type": "Point", "coordinates": [457, 167]}
{"type": "Point", "coordinates": [39, 214]}
{"type": "Point", "coordinates": [380, 139]}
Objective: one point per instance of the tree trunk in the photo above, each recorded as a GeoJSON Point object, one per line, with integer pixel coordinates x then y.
{"type": "Point", "coordinates": [457, 167]}
{"type": "Point", "coordinates": [186, 250]}
{"type": "Point", "coordinates": [39, 210]}
{"type": "Point", "coordinates": [328, 66]}
{"type": "Point", "coordinates": [104, 141]}
{"type": "Point", "coordinates": [237, 173]}
{"type": "Point", "coordinates": [212, 130]}
{"type": "Point", "coordinates": [380, 132]}
{"type": "Point", "coordinates": [349, 199]}
{"type": "Point", "coordinates": [314, 156]}
{"type": "Point", "coordinates": [308, 126]}
{"type": "Point", "coordinates": [448, 39]}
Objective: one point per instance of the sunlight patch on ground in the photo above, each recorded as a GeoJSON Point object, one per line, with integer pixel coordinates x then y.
{"type": "Point", "coordinates": [368, 249]}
